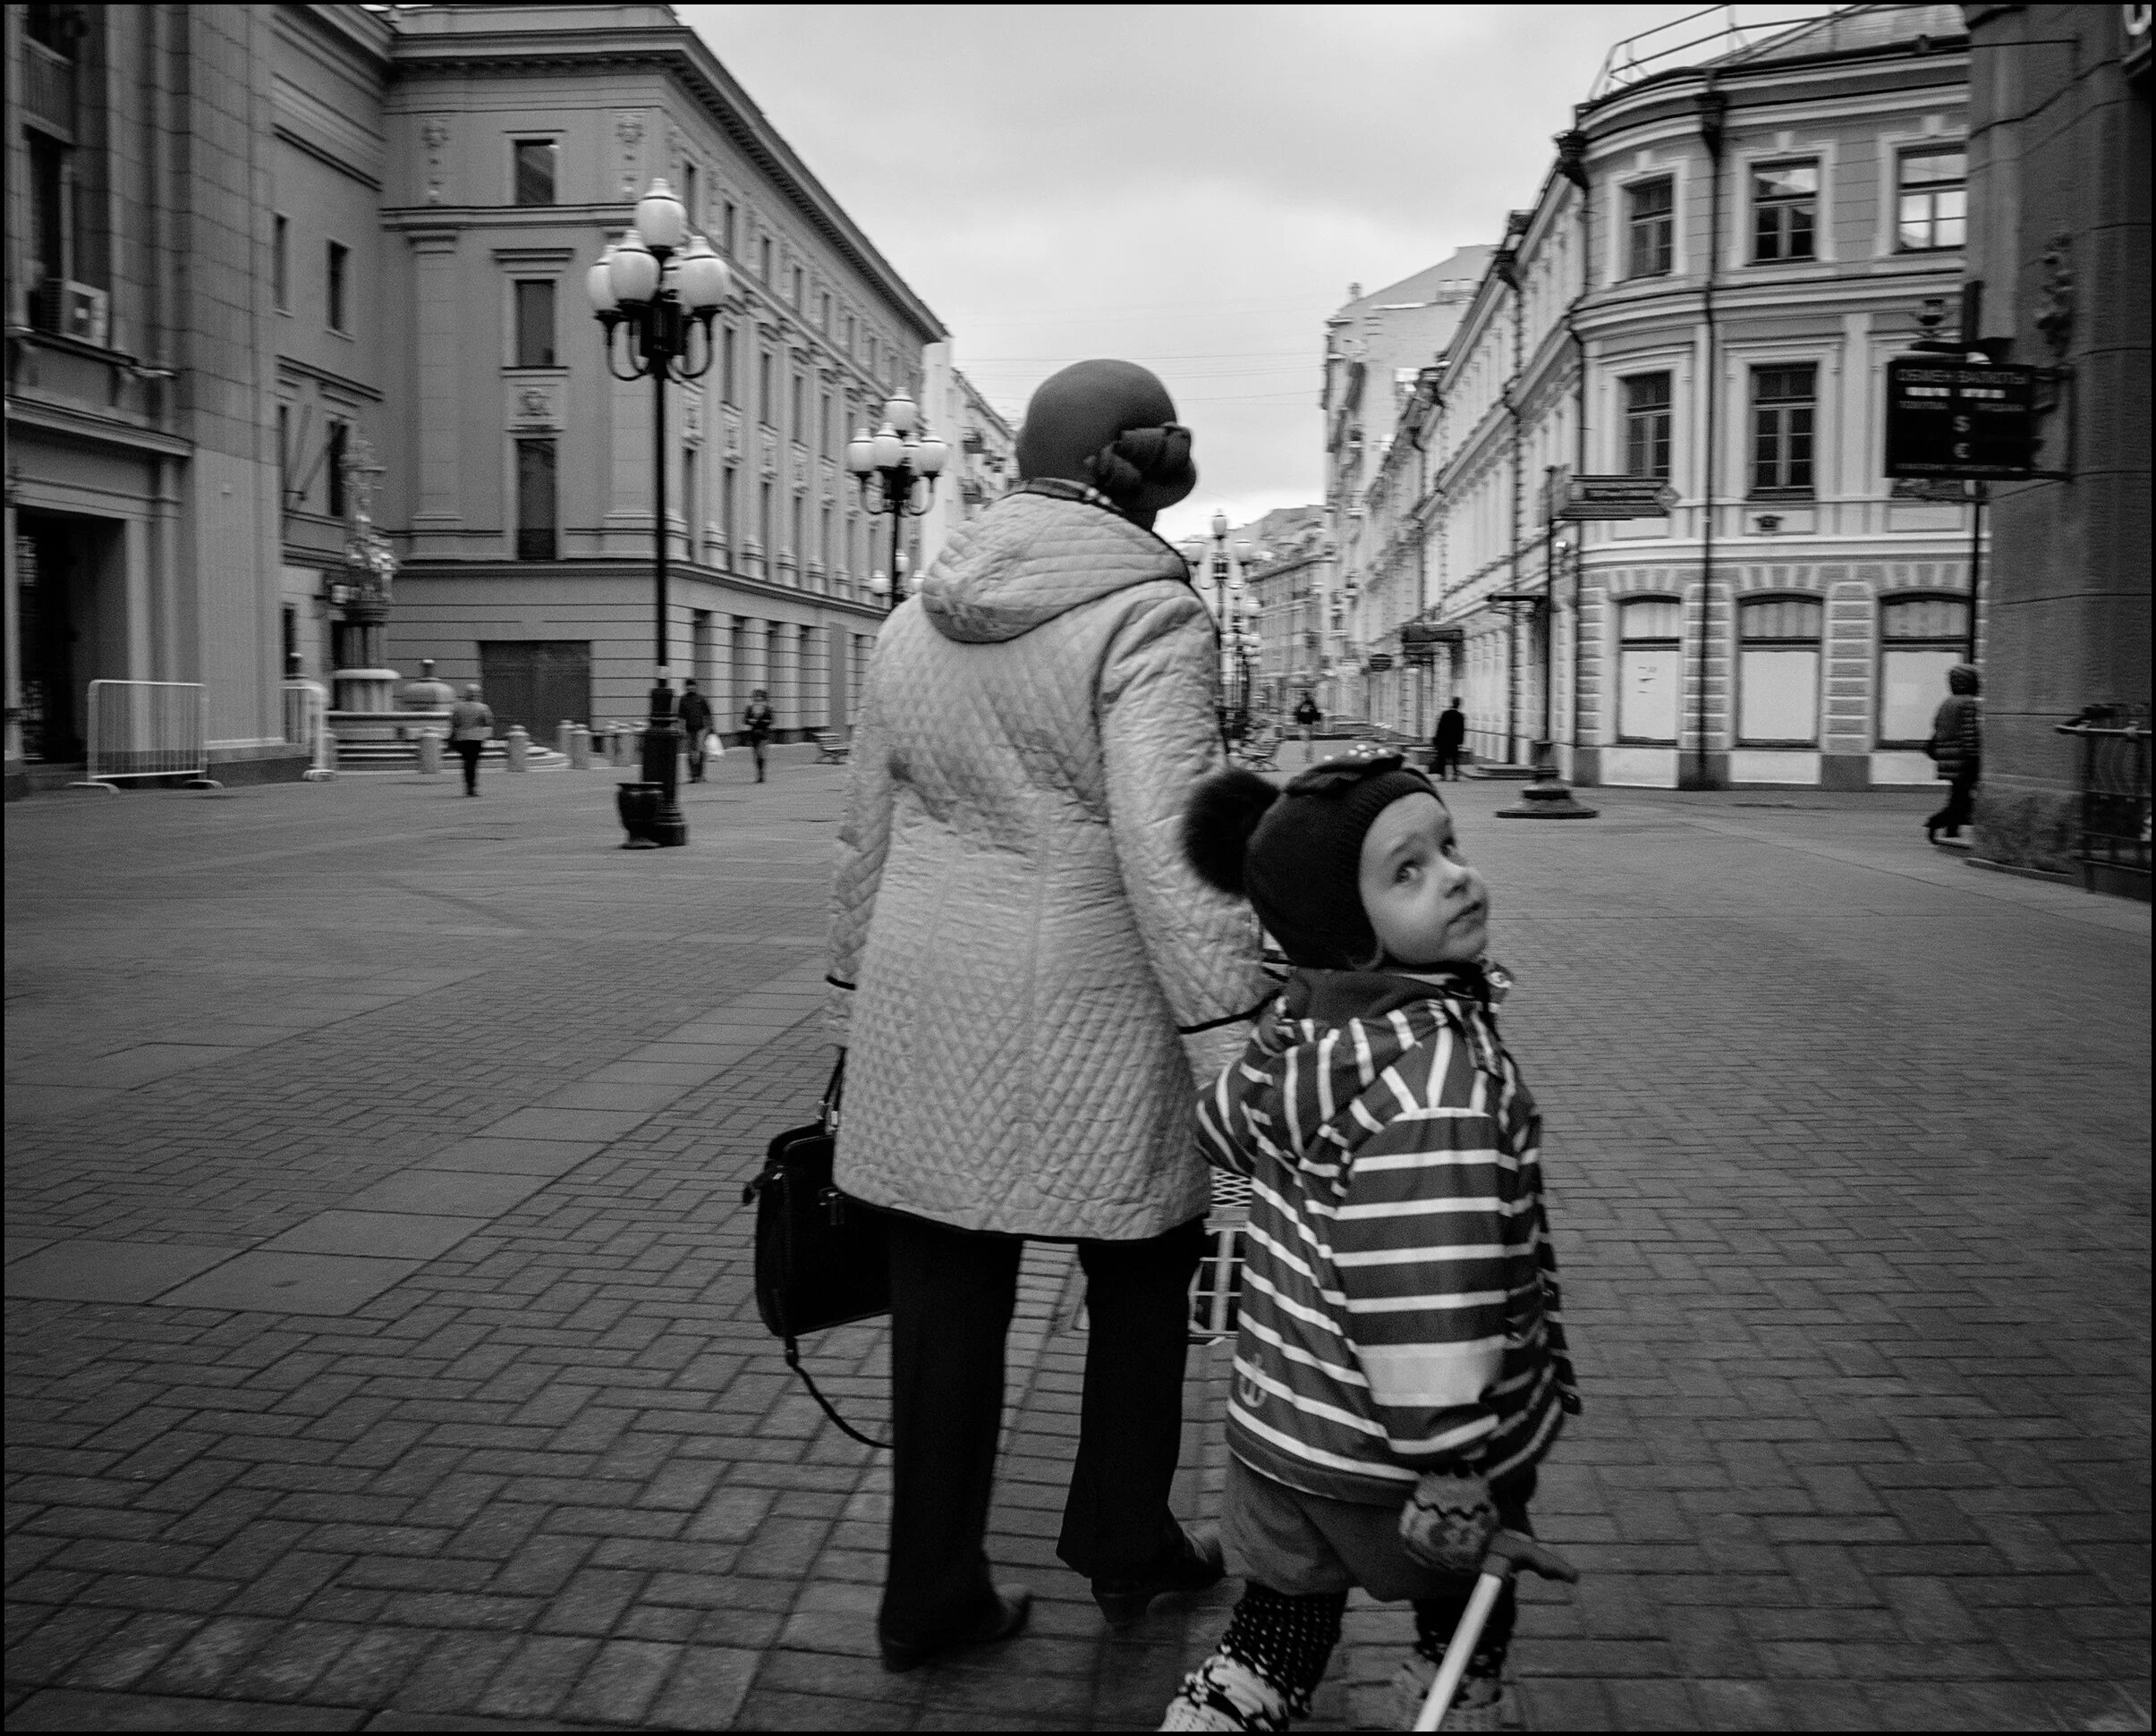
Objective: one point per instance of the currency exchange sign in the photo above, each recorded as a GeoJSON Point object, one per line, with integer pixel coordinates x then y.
{"type": "Point", "coordinates": [1950, 418]}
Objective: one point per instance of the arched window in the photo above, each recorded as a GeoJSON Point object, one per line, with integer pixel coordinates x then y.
{"type": "Point", "coordinates": [1777, 671]}
{"type": "Point", "coordinates": [1649, 668]}
{"type": "Point", "coordinates": [1920, 639]}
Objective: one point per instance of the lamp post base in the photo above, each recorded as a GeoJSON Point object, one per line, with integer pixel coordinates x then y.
{"type": "Point", "coordinates": [1547, 797]}
{"type": "Point", "coordinates": [662, 769]}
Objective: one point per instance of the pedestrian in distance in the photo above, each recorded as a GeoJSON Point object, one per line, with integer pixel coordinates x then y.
{"type": "Point", "coordinates": [695, 714]}
{"type": "Point", "coordinates": [1446, 740]}
{"type": "Point", "coordinates": [1400, 1366]}
{"type": "Point", "coordinates": [1956, 749]}
{"type": "Point", "coordinates": [1309, 717]}
{"type": "Point", "coordinates": [756, 721]}
{"type": "Point", "coordinates": [470, 727]}
{"type": "Point", "coordinates": [1030, 980]}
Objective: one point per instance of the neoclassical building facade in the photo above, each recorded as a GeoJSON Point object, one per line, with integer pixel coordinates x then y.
{"type": "Point", "coordinates": [250, 243]}
{"type": "Point", "coordinates": [1704, 295]}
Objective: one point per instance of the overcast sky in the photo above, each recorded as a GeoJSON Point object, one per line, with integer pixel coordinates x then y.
{"type": "Point", "coordinates": [1192, 188]}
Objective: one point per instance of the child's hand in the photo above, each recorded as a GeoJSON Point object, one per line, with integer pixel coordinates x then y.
{"type": "Point", "coordinates": [1449, 1520]}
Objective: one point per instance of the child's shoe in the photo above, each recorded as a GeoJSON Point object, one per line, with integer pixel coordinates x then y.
{"type": "Point", "coordinates": [1485, 1700]}
{"type": "Point", "coordinates": [1224, 1693]}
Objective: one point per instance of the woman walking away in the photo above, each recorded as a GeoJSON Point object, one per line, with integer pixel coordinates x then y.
{"type": "Point", "coordinates": [471, 724]}
{"type": "Point", "coordinates": [1956, 746]}
{"type": "Point", "coordinates": [757, 720]}
{"type": "Point", "coordinates": [1028, 961]}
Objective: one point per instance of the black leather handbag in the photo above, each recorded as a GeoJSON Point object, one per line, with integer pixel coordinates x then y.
{"type": "Point", "coordinates": [822, 1259]}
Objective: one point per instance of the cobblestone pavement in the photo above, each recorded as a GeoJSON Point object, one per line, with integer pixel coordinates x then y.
{"type": "Point", "coordinates": [381, 1352]}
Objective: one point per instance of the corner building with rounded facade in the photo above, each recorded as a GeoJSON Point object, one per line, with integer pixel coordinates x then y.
{"type": "Point", "coordinates": [1706, 293]}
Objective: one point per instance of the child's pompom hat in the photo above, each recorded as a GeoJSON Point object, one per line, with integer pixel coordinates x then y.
{"type": "Point", "coordinates": [1296, 853]}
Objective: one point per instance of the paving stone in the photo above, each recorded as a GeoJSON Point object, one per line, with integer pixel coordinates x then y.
{"type": "Point", "coordinates": [109, 1271]}
{"type": "Point", "coordinates": [266, 1282]}
{"type": "Point", "coordinates": [68, 1709]}
{"type": "Point", "coordinates": [497, 1157]}
{"type": "Point", "coordinates": [459, 1193]}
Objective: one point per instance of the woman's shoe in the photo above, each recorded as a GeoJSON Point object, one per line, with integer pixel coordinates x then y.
{"type": "Point", "coordinates": [1124, 1600]}
{"type": "Point", "coordinates": [1004, 1618]}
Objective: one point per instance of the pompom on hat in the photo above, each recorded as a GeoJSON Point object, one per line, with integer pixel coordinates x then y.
{"type": "Point", "coordinates": [1111, 426]}
{"type": "Point", "coordinates": [1296, 853]}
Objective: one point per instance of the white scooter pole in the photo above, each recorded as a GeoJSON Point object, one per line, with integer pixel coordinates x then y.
{"type": "Point", "coordinates": [1508, 1553]}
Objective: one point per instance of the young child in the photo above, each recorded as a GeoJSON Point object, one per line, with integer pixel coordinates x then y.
{"type": "Point", "coordinates": [1400, 1369]}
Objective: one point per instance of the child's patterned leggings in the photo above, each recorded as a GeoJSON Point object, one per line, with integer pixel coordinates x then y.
{"type": "Point", "coordinates": [1289, 1640]}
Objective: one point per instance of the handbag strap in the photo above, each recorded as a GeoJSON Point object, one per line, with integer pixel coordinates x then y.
{"type": "Point", "coordinates": [845, 1427]}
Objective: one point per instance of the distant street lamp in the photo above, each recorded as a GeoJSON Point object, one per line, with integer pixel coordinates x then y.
{"type": "Point", "coordinates": [893, 462]}
{"type": "Point", "coordinates": [651, 285]}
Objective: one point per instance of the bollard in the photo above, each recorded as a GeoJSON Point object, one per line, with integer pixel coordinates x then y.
{"type": "Point", "coordinates": [562, 732]}
{"type": "Point", "coordinates": [517, 745]}
{"type": "Point", "coordinates": [580, 748]}
{"type": "Point", "coordinates": [431, 754]}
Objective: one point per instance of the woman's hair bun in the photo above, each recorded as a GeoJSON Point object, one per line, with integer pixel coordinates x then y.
{"type": "Point", "coordinates": [1223, 814]}
{"type": "Point", "coordinates": [1142, 458]}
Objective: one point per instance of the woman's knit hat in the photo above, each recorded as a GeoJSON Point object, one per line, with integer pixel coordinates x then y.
{"type": "Point", "coordinates": [1111, 426]}
{"type": "Point", "coordinates": [1296, 853]}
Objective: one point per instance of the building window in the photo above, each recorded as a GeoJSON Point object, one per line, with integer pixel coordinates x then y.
{"type": "Point", "coordinates": [1651, 223]}
{"type": "Point", "coordinates": [767, 528]}
{"type": "Point", "coordinates": [800, 535]}
{"type": "Point", "coordinates": [280, 264]}
{"type": "Point", "coordinates": [1777, 671]}
{"type": "Point", "coordinates": [284, 457]}
{"type": "Point", "coordinates": [729, 382]}
{"type": "Point", "coordinates": [534, 161]}
{"type": "Point", "coordinates": [848, 344]}
{"type": "Point", "coordinates": [689, 193]}
{"type": "Point", "coordinates": [1920, 639]}
{"type": "Point", "coordinates": [823, 310]}
{"type": "Point", "coordinates": [824, 551]}
{"type": "Point", "coordinates": [535, 500]}
{"type": "Point", "coordinates": [823, 427]}
{"type": "Point", "coordinates": [1650, 669]}
{"type": "Point", "coordinates": [333, 460]}
{"type": "Point", "coordinates": [1933, 203]}
{"type": "Point", "coordinates": [1647, 425]}
{"type": "Point", "coordinates": [1783, 400]}
{"type": "Point", "coordinates": [48, 263]}
{"type": "Point", "coordinates": [729, 217]}
{"type": "Point", "coordinates": [535, 322]}
{"type": "Point", "coordinates": [728, 513]}
{"type": "Point", "coordinates": [766, 404]}
{"type": "Point", "coordinates": [340, 260]}
{"type": "Point", "coordinates": [797, 422]}
{"type": "Point", "coordinates": [1785, 212]}
{"type": "Point", "coordinates": [799, 289]}
{"type": "Point", "coordinates": [692, 519]}
{"type": "Point", "coordinates": [763, 259]}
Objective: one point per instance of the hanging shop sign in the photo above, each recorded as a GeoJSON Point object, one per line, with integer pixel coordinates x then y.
{"type": "Point", "coordinates": [1420, 639]}
{"type": "Point", "coordinates": [1610, 497]}
{"type": "Point", "coordinates": [1963, 419]}
{"type": "Point", "coordinates": [1379, 662]}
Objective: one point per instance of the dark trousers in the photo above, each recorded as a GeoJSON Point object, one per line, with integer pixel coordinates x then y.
{"type": "Point", "coordinates": [469, 752]}
{"type": "Point", "coordinates": [1443, 758]}
{"type": "Point", "coordinates": [1960, 808]}
{"type": "Point", "coordinates": [951, 1292]}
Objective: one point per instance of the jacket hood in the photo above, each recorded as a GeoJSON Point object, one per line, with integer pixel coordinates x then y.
{"type": "Point", "coordinates": [1031, 557]}
{"type": "Point", "coordinates": [1333, 1033]}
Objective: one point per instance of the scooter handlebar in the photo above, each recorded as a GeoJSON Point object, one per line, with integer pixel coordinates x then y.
{"type": "Point", "coordinates": [1509, 1552]}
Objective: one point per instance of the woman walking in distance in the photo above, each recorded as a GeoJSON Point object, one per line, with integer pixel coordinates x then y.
{"type": "Point", "coordinates": [757, 721]}
{"type": "Point", "coordinates": [471, 724]}
{"type": "Point", "coordinates": [1031, 979]}
{"type": "Point", "coordinates": [1957, 748]}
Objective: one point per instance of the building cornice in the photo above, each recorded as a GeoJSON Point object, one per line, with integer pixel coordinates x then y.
{"type": "Point", "coordinates": [65, 421]}
{"type": "Point", "coordinates": [678, 53]}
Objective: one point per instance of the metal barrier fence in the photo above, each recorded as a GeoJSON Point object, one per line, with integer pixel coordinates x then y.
{"type": "Point", "coordinates": [2114, 820]}
{"type": "Point", "coordinates": [149, 729]}
{"type": "Point", "coordinates": [307, 725]}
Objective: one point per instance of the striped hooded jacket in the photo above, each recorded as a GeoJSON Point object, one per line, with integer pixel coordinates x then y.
{"type": "Point", "coordinates": [1399, 1308]}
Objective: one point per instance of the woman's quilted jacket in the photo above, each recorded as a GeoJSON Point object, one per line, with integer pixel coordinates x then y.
{"type": "Point", "coordinates": [1016, 941]}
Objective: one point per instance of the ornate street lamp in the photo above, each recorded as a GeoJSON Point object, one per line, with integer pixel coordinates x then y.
{"type": "Point", "coordinates": [658, 283]}
{"type": "Point", "coordinates": [891, 460]}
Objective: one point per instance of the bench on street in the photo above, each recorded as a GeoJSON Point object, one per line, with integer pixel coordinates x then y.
{"type": "Point", "coordinates": [832, 746]}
